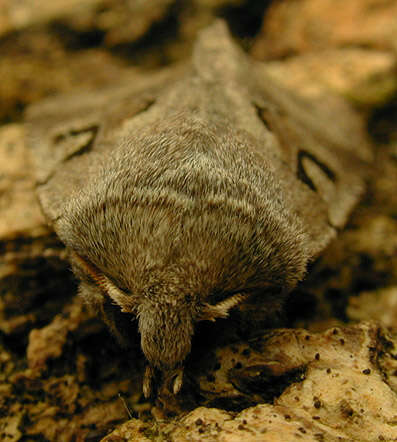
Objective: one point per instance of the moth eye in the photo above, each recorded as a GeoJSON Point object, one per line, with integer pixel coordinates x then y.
{"type": "Point", "coordinates": [76, 141]}
{"type": "Point", "coordinates": [311, 170]}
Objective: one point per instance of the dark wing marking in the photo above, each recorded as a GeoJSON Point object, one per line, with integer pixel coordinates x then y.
{"type": "Point", "coordinates": [67, 134]}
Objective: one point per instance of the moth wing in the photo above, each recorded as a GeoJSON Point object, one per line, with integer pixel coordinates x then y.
{"type": "Point", "coordinates": [319, 149]}
{"type": "Point", "coordinates": [324, 144]}
{"type": "Point", "coordinates": [68, 134]}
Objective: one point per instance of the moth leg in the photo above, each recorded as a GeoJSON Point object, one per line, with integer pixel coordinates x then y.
{"type": "Point", "coordinates": [148, 379]}
{"type": "Point", "coordinates": [176, 380]}
{"type": "Point", "coordinates": [172, 381]}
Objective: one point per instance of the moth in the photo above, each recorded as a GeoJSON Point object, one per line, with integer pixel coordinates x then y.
{"type": "Point", "coordinates": [180, 194]}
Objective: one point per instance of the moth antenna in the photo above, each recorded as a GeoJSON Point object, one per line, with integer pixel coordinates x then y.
{"type": "Point", "coordinates": [221, 310]}
{"type": "Point", "coordinates": [126, 303]}
{"type": "Point", "coordinates": [125, 406]}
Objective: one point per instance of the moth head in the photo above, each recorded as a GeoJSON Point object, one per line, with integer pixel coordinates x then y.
{"type": "Point", "coordinates": [166, 333]}
{"type": "Point", "coordinates": [166, 325]}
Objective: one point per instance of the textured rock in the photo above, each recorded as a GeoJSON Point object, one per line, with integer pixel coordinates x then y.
{"type": "Point", "coordinates": [323, 45]}
{"type": "Point", "coordinates": [133, 429]}
{"type": "Point", "coordinates": [343, 394]}
{"type": "Point", "coordinates": [365, 76]}
{"type": "Point", "coordinates": [48, 342]}
{"type": "Point", "coordinates": [63, 378]}
{"type": "Point", "coordinates": [19, 207]}
{"type": "Point", "coordinates": [123, 21]}
{"type": "Point", "coordinates": [67, 44]}
{"type": "Point", "coordinates": [292, 27]}
{"type": "Point", "coordinates": [380, 305]}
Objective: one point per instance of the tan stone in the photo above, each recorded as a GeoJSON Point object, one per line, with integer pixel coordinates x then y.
{"type": "Point", "coordinates": [365, 76]}
{"type": "Point", "coordinates": [20, 213]}
{"type": "Point", "coordinates": [292, 27]}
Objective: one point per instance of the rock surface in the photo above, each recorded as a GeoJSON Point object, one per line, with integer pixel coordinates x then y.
{"type": "Point", "coordinates": [343, 392]}
{"type": "Point", "coordinates": [366, 77]}
{"type": "Point", "coordinates": [349, 48]}
{"type": "Point", "coordinates": [292, 27]}
{"type": "Point", "coordinates": [125, 21]}
{"type": "Point", "coordinates": [328, 375]}
{"type": "Point", "coordinates": [20, 211]}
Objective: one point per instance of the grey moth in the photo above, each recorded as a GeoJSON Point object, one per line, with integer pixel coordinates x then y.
{"type": "Point", "coordinates": [181, 193]}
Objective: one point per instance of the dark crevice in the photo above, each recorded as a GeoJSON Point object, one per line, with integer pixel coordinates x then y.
{"type": "Point", "coordinates": [338, 301]}
{"type": "Point", "coordinates": [231, 404]}
{"type": "Point", "coordinates": [14, 113]}
{"type": "Point", "coordinates": [382, 123]}
{"type": "Point", "coordinates": [157, 37]}
{"type": "Point", "coordinates": [372, 281]}
{"type": "Point", "coordinates": [76, 40]}
{"type": "Point", "coordinates": [245, 19]}
{"type": "Point", "coordinates": [301, 304]}
{"type": "Point", "coordinates": [259, 379]}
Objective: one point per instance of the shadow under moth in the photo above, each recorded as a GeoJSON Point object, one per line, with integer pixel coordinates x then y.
{"type": "Point", "coordinates": [181, 193]}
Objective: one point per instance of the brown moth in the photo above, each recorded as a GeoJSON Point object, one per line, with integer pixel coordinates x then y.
{"type": "Point", "coordinates": [181, 193]}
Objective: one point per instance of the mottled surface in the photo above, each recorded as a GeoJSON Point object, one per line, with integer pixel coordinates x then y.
{"type": "Point", "coordinates": [292, 27]}
{"type": "Point", "coordinates": [20, 211]}
{"type": "Point", "coordinates": [343, 392]}
{"type": "Point", "coordinates": [63, 44]}
{"type": "Point", "coordinates": [365, 77]}
{"type": "Point", "coordinates": [321, 45]}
